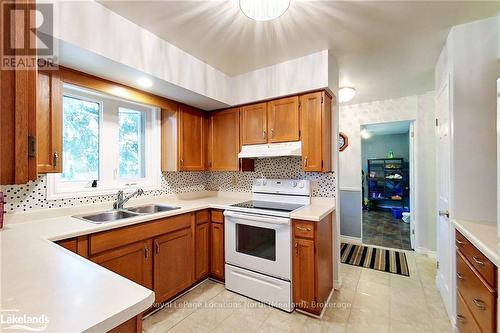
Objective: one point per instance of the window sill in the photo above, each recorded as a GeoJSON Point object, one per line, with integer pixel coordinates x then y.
{"type": "Point", "coordinates": [52, 195]}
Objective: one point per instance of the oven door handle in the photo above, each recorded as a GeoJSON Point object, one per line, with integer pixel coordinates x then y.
{"type": "Point", "coordinates": [257, 218]}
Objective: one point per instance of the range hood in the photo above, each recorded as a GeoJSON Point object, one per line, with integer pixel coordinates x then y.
{"type": "Point", "coordinates": [271, 150]}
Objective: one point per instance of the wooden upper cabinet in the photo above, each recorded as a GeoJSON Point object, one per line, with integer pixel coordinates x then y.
{"type": "Point", "coordinates": [254, 124]}
{"type": "Point", "coordinates": [49, 122]}
{"type": "Point", "coordinates": [224, 140]}
{"type": "Point", "coordinates": [316, 131]}
{"type": "Point", "coordinates": [283, 119]}
{"type": "Point", "coordinates": [191, 139]}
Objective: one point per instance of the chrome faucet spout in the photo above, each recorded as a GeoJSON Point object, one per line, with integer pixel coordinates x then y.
{"type": "Point", "coordinates": [121, 199]}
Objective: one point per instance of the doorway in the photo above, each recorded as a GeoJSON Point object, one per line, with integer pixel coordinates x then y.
{"type": "Point", "coordinates": [387, 178]}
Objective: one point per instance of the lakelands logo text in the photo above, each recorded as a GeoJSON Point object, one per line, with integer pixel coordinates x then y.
{"type": "Point", "coordinates": [27, 35]}
{"type": "Point", "coordinates": [13, 320]}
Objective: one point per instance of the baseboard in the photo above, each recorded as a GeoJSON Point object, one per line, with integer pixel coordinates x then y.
{"type": "Point", "coordinates": [426, 251]}
{"type": "Point", "coordinates": [350, 240]}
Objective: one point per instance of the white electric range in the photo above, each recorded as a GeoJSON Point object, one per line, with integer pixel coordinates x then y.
{"type": "Point", "coordinates": [257, 240]}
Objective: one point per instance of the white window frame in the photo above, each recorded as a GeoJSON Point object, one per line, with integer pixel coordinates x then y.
{"type": "Point", "coordinates": [109, 181]}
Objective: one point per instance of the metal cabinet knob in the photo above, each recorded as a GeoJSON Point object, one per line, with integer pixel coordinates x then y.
{"type": "Point", "coordinates": [55, 159]}
{"type": "Point", "coordinates": [479, 304]}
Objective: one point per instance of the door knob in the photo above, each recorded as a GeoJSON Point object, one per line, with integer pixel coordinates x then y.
{"type": "Point", "coordinates": [444, 213]}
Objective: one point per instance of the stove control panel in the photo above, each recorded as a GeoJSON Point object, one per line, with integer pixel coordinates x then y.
{"type": "Point", "coordinates": [282, 186]}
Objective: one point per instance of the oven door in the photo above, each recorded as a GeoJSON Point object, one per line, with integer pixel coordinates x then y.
{"type": "Point", "coordinates": [258, 243]}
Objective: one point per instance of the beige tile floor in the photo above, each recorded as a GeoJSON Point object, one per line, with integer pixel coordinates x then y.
{"type": "Point", "coordinates": [369, 301]}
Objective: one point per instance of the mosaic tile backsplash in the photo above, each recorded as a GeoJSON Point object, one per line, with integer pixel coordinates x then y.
{"type": "Point", "coordinates": [33, 194]}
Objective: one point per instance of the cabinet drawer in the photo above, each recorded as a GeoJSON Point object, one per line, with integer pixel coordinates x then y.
{"type": "Point", "coordinates": [202, 216]}
{"type": "Point", "coordinates": [485, 267]}
{"type": "Point", "coordinates": [465, 321]}
{"type": "Point", "coordinates": [217, 216]}
{"type": "Point", "coordinates": [111, 239]}
{"type": "Point", "coordinates": [303, 229]}
{"type": "Point", "coordinates": [479, 297]}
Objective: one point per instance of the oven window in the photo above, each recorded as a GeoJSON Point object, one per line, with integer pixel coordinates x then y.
{"type": "Point", "coordinates": [255, 241]}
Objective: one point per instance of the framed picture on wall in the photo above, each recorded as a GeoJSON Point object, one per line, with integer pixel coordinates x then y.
{"type": "Point", "coordinates": [343, 141]}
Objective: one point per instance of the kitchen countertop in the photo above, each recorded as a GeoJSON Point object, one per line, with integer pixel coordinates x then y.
{"type": "Point", "coordinates": [39, 277]}
{"type": "Point", "coordinates": [481, 235]}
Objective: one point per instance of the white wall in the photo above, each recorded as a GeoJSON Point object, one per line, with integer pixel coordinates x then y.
{"type": "Point", "coordinates": [472, 56]}
{"type": "Point", "coordinates": [412, 108]}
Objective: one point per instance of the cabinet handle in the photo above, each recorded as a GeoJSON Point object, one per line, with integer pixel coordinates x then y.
{"type": "Point", "coordinates": [264, 134]}
{"type": "Point", "coordinates": [296, 248]}
{"type": "Point", "coordinates": [271, 133]}
{"type": "Point", "coordinates": [55, 159]}
{"type": "Point", "coordinates": [479, 304]}
{"type": "Point", "coordinates": [304, 229]}
{"type": "Point", "coordinates": [182, 162]}
{"type": "Point", "coordinates": [478, 261]}
{"type": "Point", "coordinates": [460, 276]}
{"type": "Point", "coordinates": [461, 319]}
{"type": "Point", "coordinates": [305, 161]}
{"type": "Point", "coordinates": [459, 242]}
{"type": "Point", "coordinates": [146, 252]}
{"type": "Point", "coordinates": [157, 247]}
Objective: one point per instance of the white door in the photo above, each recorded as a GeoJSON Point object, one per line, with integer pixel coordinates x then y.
{"type": "Point", "coordinates": [444, 277]}
{"type": "Point", "coordinates": [412, 185]}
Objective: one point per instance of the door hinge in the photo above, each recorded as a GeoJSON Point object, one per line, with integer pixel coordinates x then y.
{"type": "Point", "coordinates": [31, 146]}
{"type": "Point", "coordinates": [412, 134]}
{"type": "Point", "coordinates": [437, 122]}
{"type": "Point", "coordinates": [300, 134]}
{"type": "Point", "coordinates": [413, 231]}
{"type": "Point", "coordinates": [437, 264]}
{"type": "Point", "coordinates": [321, 164]}
{"type": "Point", "coordinates": [321, 99]}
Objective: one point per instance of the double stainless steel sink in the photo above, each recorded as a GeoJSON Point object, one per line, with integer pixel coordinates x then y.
{"type": "Point", "coordinates": [125, 213]}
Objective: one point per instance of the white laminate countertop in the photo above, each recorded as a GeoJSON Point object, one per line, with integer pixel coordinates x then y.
{"type": "Point", "coordinates": [481, 235]}
{"type": "Point", "coordinates": [39, 277]}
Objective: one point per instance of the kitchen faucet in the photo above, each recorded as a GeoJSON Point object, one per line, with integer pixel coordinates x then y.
{"type": "Point", "coordinates": [121, 200]}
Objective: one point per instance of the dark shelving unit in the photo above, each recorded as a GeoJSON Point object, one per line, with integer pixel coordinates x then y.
{"type": "Point", "coordinates": [387, 181]}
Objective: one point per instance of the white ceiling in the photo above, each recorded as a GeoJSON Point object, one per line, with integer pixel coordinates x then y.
{"type": "Point", "coordinates": [385, 49]}
{"type": "Point", "coordinates": [399, 127]}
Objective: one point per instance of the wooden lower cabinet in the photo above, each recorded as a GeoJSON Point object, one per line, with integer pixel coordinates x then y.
{"type": "Point", "coordinates": [202, 250]}
{"type": "Point", "coordinates": [476, 289]}
{"type": "Point", "coordinates": [173, 263]}
{"type": "Point", "coordinates": [465, 320]}
{"type": "Point", "coordinates": [217, 250]}
{"type": "Point", "coordinates": [134, 262]}
{"type": "Point", "coordinates": [133, 325]}
{"type": "Point", "coordinates": [303, 273]}
{"type": "Point", "coordinates": [78, 245]}
{"type": "Point", "coordinates": [312, 264]}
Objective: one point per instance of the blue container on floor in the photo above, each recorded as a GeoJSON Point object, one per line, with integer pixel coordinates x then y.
{"type": "Point", "coordinates": [397, 213]}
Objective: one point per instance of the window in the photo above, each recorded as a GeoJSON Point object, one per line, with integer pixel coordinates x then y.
{"type": "Point", "coordinates": [106, 140]}
{"type": "Point", "coordinates": [80, 139]}
{"type": "Point", "coordinates": [131, 142]}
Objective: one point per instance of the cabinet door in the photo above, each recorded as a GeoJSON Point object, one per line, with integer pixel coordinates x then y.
{"type": "Point", "coordinates": [173, 263]}
{"type": "Point", "coordinates": [133, 262]}
{"type": "Point", "coordinates": [254, 124]}
{"type": "Point", "coordinates": [311, 131]}
{"type": "Point", "coordinates": [191, 139]}
{"type": "Point", "coordinates": [304, 286]}
{"type": "Point", "coordinates": [217, 251]}
{"type": "Point", "coordinates": [202, 250]}
{"type": "Point", "coordinates": [283, 119]}
{"type": "Point", "coordinates": [224, 140]}
{"type": "Point", "coordinates": [49, 123]}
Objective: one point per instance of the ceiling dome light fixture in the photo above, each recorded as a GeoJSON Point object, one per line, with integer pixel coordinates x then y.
{"type": "Point", "coordinates": [264, 10]}
{"type": "Point", "coordinates": [346, 94]}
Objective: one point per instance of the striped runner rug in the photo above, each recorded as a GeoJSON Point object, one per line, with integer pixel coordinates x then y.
{"type": "Point", "coordinates": [375, 258]}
